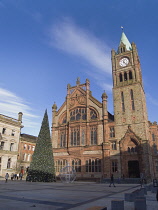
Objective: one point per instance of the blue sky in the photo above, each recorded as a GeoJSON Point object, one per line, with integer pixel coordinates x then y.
{"type": "Point", "coordinates": [44, 45]}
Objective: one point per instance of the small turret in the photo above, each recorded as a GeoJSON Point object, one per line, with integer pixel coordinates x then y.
{"type": "Point", "coordinates": [20, 114]}
{"type": "Point", "coordinates": [54, 107]}
{"type": "Point", "coordinates": [78, 81]}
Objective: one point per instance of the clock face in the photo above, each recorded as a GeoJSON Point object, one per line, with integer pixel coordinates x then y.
{"type": "Point", "coordinates": [124, 62]}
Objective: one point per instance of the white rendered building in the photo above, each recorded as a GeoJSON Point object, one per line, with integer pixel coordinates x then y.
{"type": "Point", "coordinates": [10, 129]}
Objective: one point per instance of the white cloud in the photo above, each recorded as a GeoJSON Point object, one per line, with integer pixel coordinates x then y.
{"type": "Point", "coordinates": [152, 100]}
{"type": "Point", "coordinates": [74, 40]}
{"type": "Point", "coordinates": [11, 105]}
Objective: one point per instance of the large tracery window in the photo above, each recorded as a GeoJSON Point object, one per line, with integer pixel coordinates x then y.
{"type": "Point", "coordinates": [62, 139]}
{"type": "Point", "coordinates": [93, 135]}
{"type": "Point", "coordinates": [93, 114]}
{"type": "Point", "coordinates": [59, 164]}
{"type": "Point", "coordinates": [76, 164]}
{"type": "Point", "coordinates": [93, 165]}
{"type": "Point", "coordinates": [78, 114]}
{"type": "Point", "coordinates": [75, 137]}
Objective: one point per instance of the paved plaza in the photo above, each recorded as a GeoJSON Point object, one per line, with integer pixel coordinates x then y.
{"type": "Point", "coordinates": [78, 195]}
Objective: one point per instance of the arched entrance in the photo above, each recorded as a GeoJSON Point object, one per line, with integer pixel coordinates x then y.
{"type": "Point", "coordinates": [133, 169]}
{"type": "Point", "coordinates": [130, 155]}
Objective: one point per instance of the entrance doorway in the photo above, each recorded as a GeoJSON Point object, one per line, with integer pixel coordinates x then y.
{"type": "Point", "coordinates": [133, 169]}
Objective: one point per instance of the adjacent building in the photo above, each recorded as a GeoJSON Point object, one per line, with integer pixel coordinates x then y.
{"type": "Point", "coordinates": [10, 130]}
{"type": "Point", "coordinates": [26, 149]}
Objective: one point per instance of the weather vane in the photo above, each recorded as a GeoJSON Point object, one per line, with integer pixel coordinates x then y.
{"type": "Point", "coordinates": [122, 28]}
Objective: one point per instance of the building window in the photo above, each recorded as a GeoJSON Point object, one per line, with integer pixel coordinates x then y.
{"type": "Point", "coordinates": [64, 120]}
{"type": "Point", "coordinates": [154, 149]}
{"type": "Point", "coordinates": [9, 163]}
{"type": "Point", "coordinates": [130, 75]}
{"type": "Point", "coordinates": [93, 114]}
{"type": "Point", "coordinates": [13, 133]}
{"type": "Point", "coordinates": [2, 145]}
{"type": "Point", "coordinates": [33, 148]}
{"type": "Point", "coordinates": [114, 166]}
{"type": "Point", "coordinates": [156, 164]}
{"type": "Point", "coordinates": [122, 100]}
{"type": "Point", "coordinates": [93, 135]}
{"type": "Point", "coordinates": [29, 147]}
{"type": "Point", "coordinates": [75, 137]}
{"type": "Point", "coordinates": [12, 147]}
{"type": "Point", "coordinates": [25, 146]}
{"type": "Point", "coordinates": [112, 132]}
{"type": "Point", "coordinates": [153, 136]}
{"type": "Point", "coordinates": [59, 164]}
{"type": "Point", "coordinates": [113, 145]}
{"type": "Point", "coordinates": [24, 157]}
{"type": "Point", "coordinates": [62, 139]}
{"type": "Point", "coordinates": [28, 157]}
{"type": "Point", "coordinates": [120, 76]}
{"type": "Point", "coordinates": [83, 137]}
{"type": "Point", "coordinates": [132, 99]}
{"type": "Point", "coordinates": [125, 76]}
{"type": "Point", "coordinates": [78, 114]}
{"type": "Point", "coordinates": [3, 130]}
{"type": "Point", "coordinates": [76, 164]}
{"type": "Point", "coordinates": [93, 165]}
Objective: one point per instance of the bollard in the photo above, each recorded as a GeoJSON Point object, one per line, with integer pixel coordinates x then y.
{"type": "Point", "coordinates": [117, 205]}
{"type": "Point", "coordinates": [140, 204]}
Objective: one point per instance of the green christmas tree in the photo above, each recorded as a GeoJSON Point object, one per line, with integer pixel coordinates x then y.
{"type": "Point", "coordinates": [42, 165]}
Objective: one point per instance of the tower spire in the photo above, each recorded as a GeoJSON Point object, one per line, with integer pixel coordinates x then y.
{"type": "Point", "coordinates": [124, 40]}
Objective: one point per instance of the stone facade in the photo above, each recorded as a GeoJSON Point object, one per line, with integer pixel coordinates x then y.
{"type": "Point", "coordinates": [96, 143]}
{"type": "Point", "coordinates": [10, 129]}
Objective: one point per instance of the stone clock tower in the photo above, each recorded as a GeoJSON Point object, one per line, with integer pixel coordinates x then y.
{"type": "Point", "coordinates": [131, 120]}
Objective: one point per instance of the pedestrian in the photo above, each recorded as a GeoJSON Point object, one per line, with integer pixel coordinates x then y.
{"type": "Point", "coordinates": [6, 177]}
{"type": "Point", "coordinates": [17, 176]}
{"type": "Point", "coordinates": [12, 176]}
{"type": "Point", "coordinates": [112, 180]}
{"type": "Point", "coordinates": [20, 176]}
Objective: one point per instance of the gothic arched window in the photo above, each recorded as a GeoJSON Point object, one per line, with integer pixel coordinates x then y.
{"type": "Point", "coordinates": [9, 163]}
{"type": "Point", "coordinates": [75, 137]}
{"type": "Point", "coordinates": [132, 99]}
{"type": "Point", "coordinates": [120, 76]}
{"type": "Point", "coordinates": [59, 164]}
{"type": "Point", "coordinates": [93, 135]}
{"type": "Point", "coordinates": [76, 164]}
{"type": "Point", "coordinates": [93, 165]}
{"type": "Point", "coordinates": [93, 114]}
{"type": "Point", "coordinates": [78, 114]}
{"type": "Point", "coordinates": [130, 75]}
{"type": "Point", "coordinates": [62, 139]}
{"type": "Point", "coordinates": [125, 76]}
